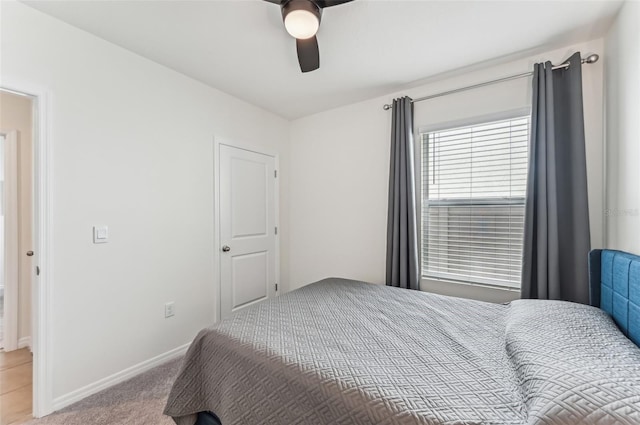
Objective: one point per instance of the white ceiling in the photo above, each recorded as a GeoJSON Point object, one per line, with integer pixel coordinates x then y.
{"type": "Point", "coordinates": [367, 48]}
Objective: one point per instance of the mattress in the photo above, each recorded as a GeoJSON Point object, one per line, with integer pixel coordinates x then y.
{"type": "Point", "coordinates": [347, 352]}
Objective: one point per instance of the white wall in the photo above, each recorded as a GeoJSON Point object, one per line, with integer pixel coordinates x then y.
{"type": "Point", "coordinates": [132, 146]}
{"type": "Point", "coordinates": [340, 166]}
{"type": "Point", "coordinates": [622, 72]}
{"type": "Point", "coordinates": [16, 114]}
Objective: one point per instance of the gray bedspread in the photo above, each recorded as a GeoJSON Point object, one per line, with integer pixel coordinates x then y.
{"type": "Point", "coordinates": [347, 352]}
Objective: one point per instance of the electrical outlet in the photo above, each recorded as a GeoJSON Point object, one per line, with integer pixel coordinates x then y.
{"type": "Point", "coordinates": [169, 309]}
{"type": "Point", "coordinates": [100, 234]}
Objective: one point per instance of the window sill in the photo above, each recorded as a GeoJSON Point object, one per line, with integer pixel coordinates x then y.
{"type": "Point", "coordinates": [469, 290]}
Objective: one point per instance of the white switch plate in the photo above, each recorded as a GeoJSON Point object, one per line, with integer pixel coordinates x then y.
{"type": "Point", "coordinates": [100, 234]}
{"type": "Point", "coordinates": [168, 309]}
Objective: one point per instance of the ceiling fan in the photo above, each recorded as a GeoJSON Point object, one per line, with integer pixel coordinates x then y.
{"type": "Point", "coordinates": [302, 20]}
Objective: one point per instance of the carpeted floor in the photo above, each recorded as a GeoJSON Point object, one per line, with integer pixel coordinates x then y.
{"type": "Point", "coordinates": [138, 401]}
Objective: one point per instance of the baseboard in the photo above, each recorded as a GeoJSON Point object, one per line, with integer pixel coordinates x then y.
{"type": "Point", "coordinates": [24, 342]}
{"type": "Point", "coordinates": [116, 378]}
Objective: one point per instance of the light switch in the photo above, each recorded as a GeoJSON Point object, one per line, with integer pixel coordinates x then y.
{"type": "Point", "coordinates": [100, 234]}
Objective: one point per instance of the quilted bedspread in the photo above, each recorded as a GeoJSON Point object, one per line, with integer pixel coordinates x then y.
{"type": "Point", "coordinates": [346, 352]}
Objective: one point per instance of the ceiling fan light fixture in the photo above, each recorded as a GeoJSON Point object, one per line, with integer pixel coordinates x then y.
{"type": "Point", "coordinates": [301, 24]}
{"type": "Point", "coordinates": [301, 18]}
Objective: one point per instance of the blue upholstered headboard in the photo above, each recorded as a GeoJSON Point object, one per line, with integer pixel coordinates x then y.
{"type": "Point", "coordinates": [614, 282]}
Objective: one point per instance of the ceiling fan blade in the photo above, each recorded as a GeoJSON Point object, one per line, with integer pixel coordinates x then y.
{"type": "Point", "coordinates": [308, 54]}
{"type": "Point", "coordinates": [273, 1]}
{"type": "Point", "coordinates": [329, 3]}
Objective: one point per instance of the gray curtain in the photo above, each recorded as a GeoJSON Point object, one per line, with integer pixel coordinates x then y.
{"type": "Point", "coordinates": [402, 230]}
{"type": "Point", "coordinates": [556, 232]}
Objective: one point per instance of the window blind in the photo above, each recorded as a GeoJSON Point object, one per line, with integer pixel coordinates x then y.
{"type": "Point", "coordinates": [473, 191]}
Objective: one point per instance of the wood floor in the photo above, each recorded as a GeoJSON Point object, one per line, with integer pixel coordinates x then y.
{"type": "Point", "coordinates": [15, 386]}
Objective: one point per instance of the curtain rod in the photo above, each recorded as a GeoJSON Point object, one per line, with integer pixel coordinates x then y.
{"type": "Point", "coordinates": [593, 58]}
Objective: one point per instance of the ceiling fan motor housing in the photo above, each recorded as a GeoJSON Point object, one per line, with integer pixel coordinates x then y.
{"type": "Point", "coordinates": [306, 5]}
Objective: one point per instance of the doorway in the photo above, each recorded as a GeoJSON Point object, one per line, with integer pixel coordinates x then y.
{"type": "Point", "coordinates": [16, 248]}
{"type": "Point", "coordinates": [247, 213]}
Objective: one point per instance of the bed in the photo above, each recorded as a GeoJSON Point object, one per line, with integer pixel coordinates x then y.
{"type": "Point", "coordinates": [347, 352]}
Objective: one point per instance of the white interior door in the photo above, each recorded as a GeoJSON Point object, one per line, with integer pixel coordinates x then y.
{"type": "Point", "coordinates": [9, 234]}
{"type": "Point", "coordinates": [247, 211]}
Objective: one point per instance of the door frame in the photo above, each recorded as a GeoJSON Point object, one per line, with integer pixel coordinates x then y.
{"type": "Point", "coordinates": [42, 284]}
{"type": "Point", "coordinates": [217, 142]}
{"type": "Point", "coordinates": [11, 256]}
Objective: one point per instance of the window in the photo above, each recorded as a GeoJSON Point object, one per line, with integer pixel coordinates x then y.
{"type": "Point", "coordinates": [473, 192]}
